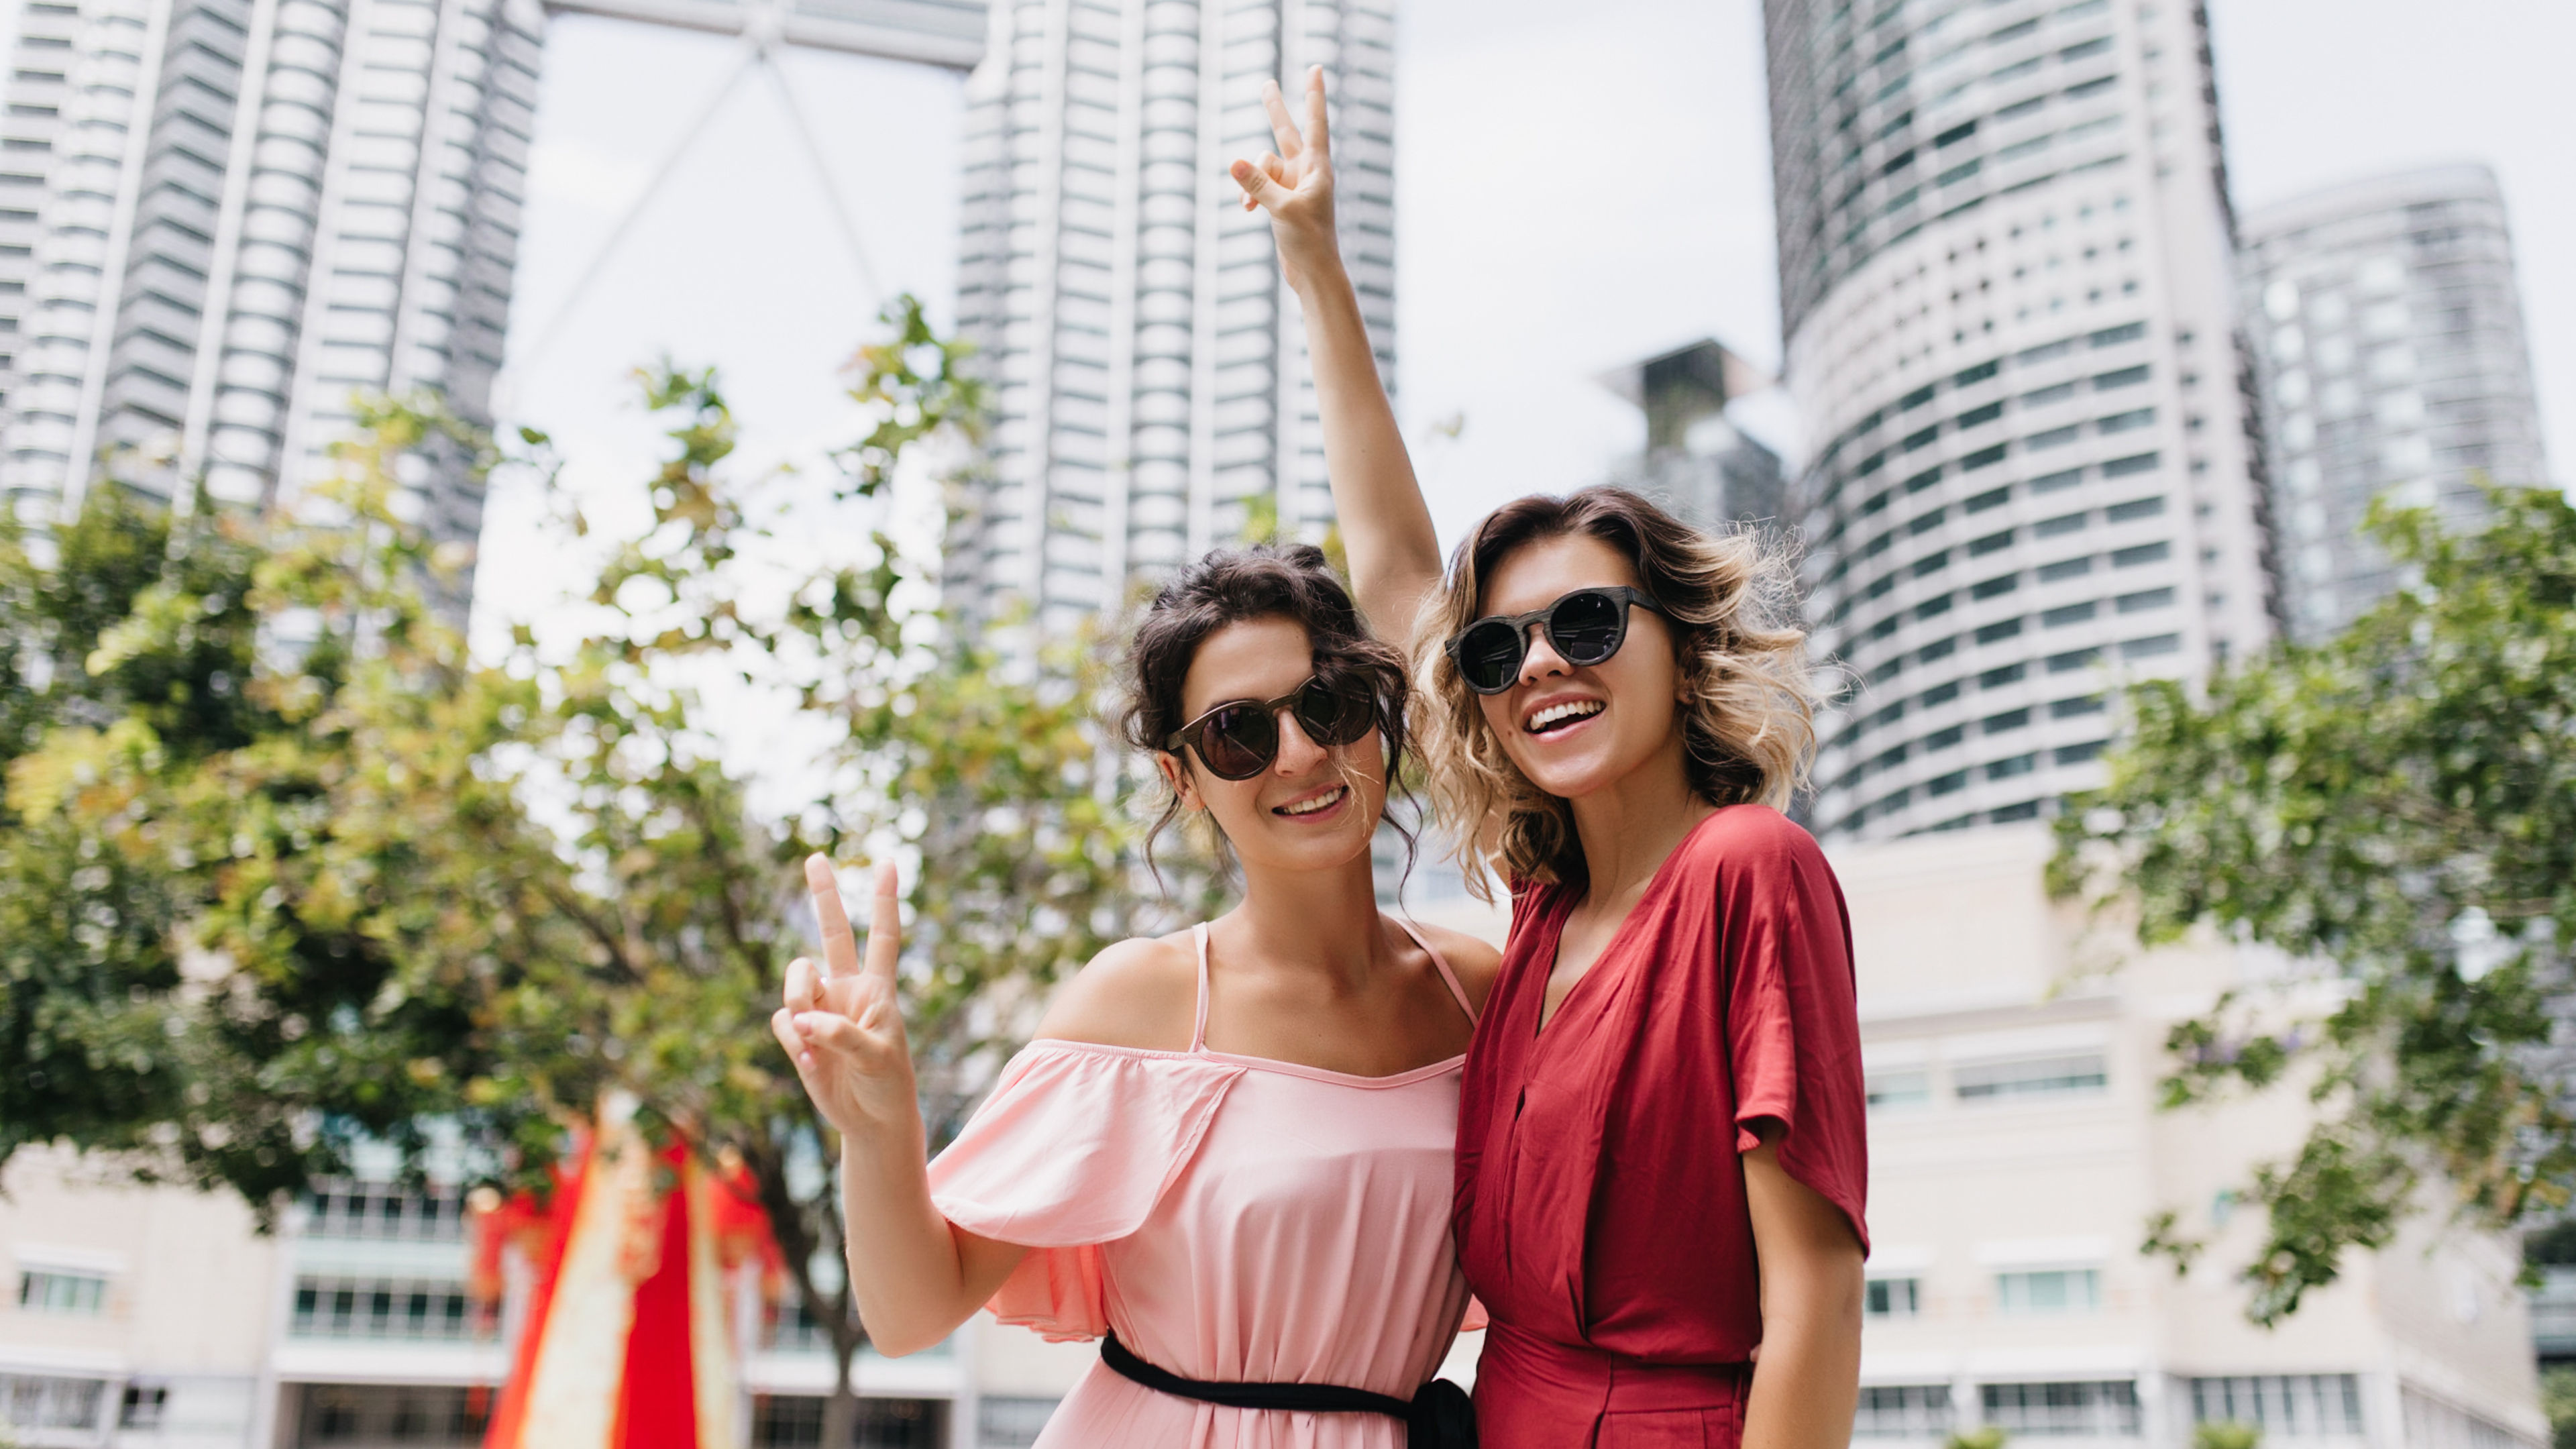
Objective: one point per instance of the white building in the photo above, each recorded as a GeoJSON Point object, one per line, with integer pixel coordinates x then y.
{"type": "Point", "coordinates": [2017, 1153]}
{"type": "Point", "coordinates": [2016, 1156]}
{"type": "Point", "coordinates": [225, 216]}
{"type": "Point", "coordinates": [156, 1317]}
{"type": "Point", "coordinates": [2389, 342]}
{"type": "Point", "coordinates": [2007, 284]}
{"type": "Point", "coordinates": [1152, 393]}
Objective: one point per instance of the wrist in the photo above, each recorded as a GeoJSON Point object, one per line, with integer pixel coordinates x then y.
{"type": "Point", "coordinates": [1322, 280]}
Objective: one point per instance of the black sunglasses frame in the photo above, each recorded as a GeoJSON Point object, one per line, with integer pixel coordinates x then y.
{"type": "Point", "coordinates": [1189, 735]}
{"type": "Point", "coordinates": [1519, 624]}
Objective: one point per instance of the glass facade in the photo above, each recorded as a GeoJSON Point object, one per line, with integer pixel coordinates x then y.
{"type": "Point", "coordinates": [2389, 346]}
{"type": "Point", "coordinates": [2009, 297]}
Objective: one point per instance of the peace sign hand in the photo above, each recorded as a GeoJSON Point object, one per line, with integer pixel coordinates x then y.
{"type": "Point", "coordinates": [841, 1024]}
{"type": "Point", "coordinates": [1295, 185]}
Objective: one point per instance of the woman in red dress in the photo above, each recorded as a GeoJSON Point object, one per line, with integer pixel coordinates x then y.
{"type": "Point", "coordinates": [1662, 1153]}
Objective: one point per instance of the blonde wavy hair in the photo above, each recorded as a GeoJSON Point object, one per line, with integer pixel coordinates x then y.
{"type": "Point", "coordinates": [1748, 721]}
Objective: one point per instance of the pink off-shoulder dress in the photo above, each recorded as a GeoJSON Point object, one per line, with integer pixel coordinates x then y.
{"type": "Point", "coordinates": [1232, 1218]}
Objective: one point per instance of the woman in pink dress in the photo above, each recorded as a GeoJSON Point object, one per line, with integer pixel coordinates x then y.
{"type": "Point", "coordinates": [1229, 1150]}
{"type": "Point", "coordinates": [1662, 1151]}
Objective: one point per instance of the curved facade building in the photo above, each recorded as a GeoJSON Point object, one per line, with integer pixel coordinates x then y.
{"type": "Point", "coordinates": [1152, 394]}
{"type": "Point", "coordinates": [233, 214]}
{"type": "Point", "coordinates": [2388, 336]}
{"type": "Point", "coordinates": [2007, 283]}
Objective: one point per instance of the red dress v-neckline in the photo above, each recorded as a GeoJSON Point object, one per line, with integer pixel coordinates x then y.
{"type": "Point", "coordinates": [1601, 1214]}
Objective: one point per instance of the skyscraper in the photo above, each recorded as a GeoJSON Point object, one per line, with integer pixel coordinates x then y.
{"type": "Point", "coordinates": [1697, 461]}
{"type": "Point", "coordinates": [1152, 394]}
{"type": "Point", "coordinates": [2390, 348]}
{"type": "Point", "coordinates": [225, 216]}
{"type": "Point", "coordinates": [2007, 283]}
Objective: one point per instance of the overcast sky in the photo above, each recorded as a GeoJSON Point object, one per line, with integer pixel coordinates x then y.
{"type": "Point", "coordinates": [1570, 196]}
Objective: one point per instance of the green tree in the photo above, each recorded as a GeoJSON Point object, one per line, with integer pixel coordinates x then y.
{"type": "Point", "coordinates": [2397, 808]}
{"type": "Point", "coordinates": [391, 883]}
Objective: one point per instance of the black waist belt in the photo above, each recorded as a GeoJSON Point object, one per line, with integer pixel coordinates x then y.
{"type": "Point", "coordinates": [1440, 1416]}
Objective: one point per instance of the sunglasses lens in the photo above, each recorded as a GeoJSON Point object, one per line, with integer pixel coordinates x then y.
{"type": "Point", "coordinates": [1586, 628]}
{"type": "Point", "coordinates": [1489, 654]}
{"type": "Point", "coordinates": [1333, 714]}
{"type": "Point", "coordinates": [1239, 742]}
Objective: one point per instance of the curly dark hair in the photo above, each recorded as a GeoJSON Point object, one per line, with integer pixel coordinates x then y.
{"type": "Point", "coordinates": [1263, 581]}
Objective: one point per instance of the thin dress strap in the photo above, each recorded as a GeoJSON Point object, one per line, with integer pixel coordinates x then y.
{"type": "Point", "coordinates": [1447, 976]}
{"type": "Point", "coordinates": [1198, 1032]}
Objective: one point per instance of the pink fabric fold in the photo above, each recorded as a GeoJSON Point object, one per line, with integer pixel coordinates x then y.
{"type": "Point", "coordinates": [1072, 1150]}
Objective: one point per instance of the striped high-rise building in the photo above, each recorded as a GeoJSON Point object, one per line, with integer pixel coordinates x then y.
{"type": "Point", "coordinates": [2389, 340]}
{"type": "Point", "coordinates": [225, 217]}
{"type": "Point", "coordinates": [1152, 395]}
{"type": "Point", "coordinates": [2007, 281]}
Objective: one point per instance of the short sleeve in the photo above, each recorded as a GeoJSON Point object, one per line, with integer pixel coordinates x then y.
{"type": "Point", "coordinates": [1792, 1013]}
{"type": "Point", "coordinates": [1072, 1150]}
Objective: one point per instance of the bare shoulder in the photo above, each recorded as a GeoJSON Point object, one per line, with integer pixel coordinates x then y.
{"type": "Point", "coordinates": [1476, 961]}
{"type": "Point", "coordinates": [1140, 993]}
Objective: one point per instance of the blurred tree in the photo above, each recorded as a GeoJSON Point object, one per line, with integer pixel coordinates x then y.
{"type": "Point", "coordinates": [2225, 1434]}
{"type": "Point", "coordinates": [283, 866]}
{"type": "Point", "coordinates": [1983, 1436]}
{"type": "Point", "coordinates": [2558, 1401]}
{"type": "Point", "coordinates": [2398, 807]}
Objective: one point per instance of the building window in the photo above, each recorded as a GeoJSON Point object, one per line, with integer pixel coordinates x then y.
{"type": "Point", "coordinates": [2286, 1405]}
{"type": "Point", "coordinates": [2134, 508]}
{"type": "Point", "coordinates": [1902, 1411]}
{"type": "Point", "coordinates": [2144, 600]}
{"type": "Point", "coordinates": [2049, 1290]}
{"type": "Point", "coordinates": [387, 1308]}
{"type": "Point", "coordinates": [369, 1414]}
{"type": "Point", "coordinates": [1911, 1087]}
{"type": "Point", "coordinates": [1892, 1297]}
{"type": "Point", "coordinates": [2052, 527]}
{"type": "Point", "coordinates": [2051, 1076]}
{"type": "Point", "coordinates": [1011, 1423]}
{"type": "Point", "coordinates": [34, 1401]}
{"type": "Point", "coordinates": [795, 1421]}
{"type": "Point", "coordinates": [143, 1407]}
{"type": "Point", "coordinates": [2092, 1410]}
{"type": "Point", "coordinates": [57, 1290]}
{"type": "Point", "coordinates": [382, 1210]}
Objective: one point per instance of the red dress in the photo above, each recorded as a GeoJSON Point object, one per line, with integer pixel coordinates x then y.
{"type": "Point", "coordinates": [1601, 1215]}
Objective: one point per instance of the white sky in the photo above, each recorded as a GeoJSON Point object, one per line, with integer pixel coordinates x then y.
{"type": "Point", "coordinates": [1571, 196]}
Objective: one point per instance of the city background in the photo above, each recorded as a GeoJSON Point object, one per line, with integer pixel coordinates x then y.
{"type": "Point", "coordinates": [2067, 340]}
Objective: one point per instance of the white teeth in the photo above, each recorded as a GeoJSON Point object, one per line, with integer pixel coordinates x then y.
{"type": "Point", "coordinates": [1309, 807]}
{"type": "Point", "coordinates": [1573, 710]}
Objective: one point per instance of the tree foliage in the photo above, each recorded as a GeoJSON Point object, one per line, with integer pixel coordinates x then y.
{"type": "Point", "coordinates": [284, 866]}
{"type": "Point", "coordinates": [2397, 807]}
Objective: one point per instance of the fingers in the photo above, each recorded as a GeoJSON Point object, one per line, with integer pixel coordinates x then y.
{"type": "Point", "coordinates": [1283, 128]}
{"type": "Point", "coordinates": [800, 995]}
{"type": "Point", "coordinates": [885, 926]}
{"type": "Point", "coordinates": [840, 952]}
{"type": "Point", "coordinates": [1258, 187]}
{"type": "Point", "coordinates": [827, 1031]}
{"type": "Point", "coordinates": [782, 1024]}
{"type": "Point", "coordinates": [1318, 132]}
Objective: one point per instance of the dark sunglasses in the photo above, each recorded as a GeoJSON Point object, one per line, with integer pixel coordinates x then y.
{"type": "Point", "coordinates": [1584, 627]}
{"type": "Point", "coordinates": [1239, 738]}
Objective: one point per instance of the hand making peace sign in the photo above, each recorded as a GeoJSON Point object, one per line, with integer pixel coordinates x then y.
{"type": "Point", "coordinates": [1295, 185]}
{"type": "Point", "coordinates": [841, 1024]}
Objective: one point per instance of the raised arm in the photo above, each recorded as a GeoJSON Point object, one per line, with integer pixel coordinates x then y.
{"type": "Point", "coordinates": [920, 1276]}
{"type": "Point", "coordinates": [1394, 553]}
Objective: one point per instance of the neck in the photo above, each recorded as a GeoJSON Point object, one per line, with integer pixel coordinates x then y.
{"type": "Point", "coordinates": [1630, 825]}
{"type": "Point", "coordinates": [1323, 921]}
